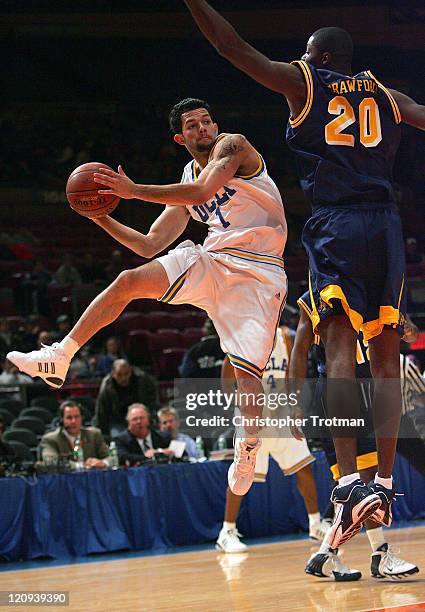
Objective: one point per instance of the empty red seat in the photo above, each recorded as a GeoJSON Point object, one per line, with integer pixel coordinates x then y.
{"type": "Point", "coordinates": [182, 320]}
{"type": "Point", "coordinates": [164, 339]}
{"type": "Point", "coordinates": [130, 321]}
{"type": "Point", "coordinates": [160, 320]}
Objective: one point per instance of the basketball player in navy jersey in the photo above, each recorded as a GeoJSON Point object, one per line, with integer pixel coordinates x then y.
{"type": "Point", "coordinates": [345, 132]}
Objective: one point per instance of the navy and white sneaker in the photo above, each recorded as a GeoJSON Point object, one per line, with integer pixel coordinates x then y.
{"type": "Point", "coordinates": [354, 503]}
{"type": "Point", "coordinates": [329, 565]}
{"type": "Point", "coordinates": [386, 564]}
{"type": "Point", "coordinates": [383, 515]}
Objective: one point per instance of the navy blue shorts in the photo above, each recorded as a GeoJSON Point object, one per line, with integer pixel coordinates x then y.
{"type": "Point", "coordinates": [357, 266]}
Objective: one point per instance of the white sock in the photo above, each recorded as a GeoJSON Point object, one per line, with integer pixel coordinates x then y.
{"type": "Point", "coordinates": [313, 518]}
{"type": "Point", "coordinates": [385, 482]}
{"type": "Point", "coordinates": [69, 347]}
{"type": "Point", "coordinates": [324, 547]}
{"type": "Point", "coordinates": [346, 480]}
{"type": "Point", "coordinates": [227, 526]}
{"type": "Point", "coordinates": [376, 537]}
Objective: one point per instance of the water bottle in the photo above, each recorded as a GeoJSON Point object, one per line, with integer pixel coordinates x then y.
{"type": "Point", "coordinates": [78, 454]}
{"type": "Point", "coordinates": [200, 446]}
{"type": "Point", "coordinates": [221, 443]}
{"type": "Point", "coordinates": [113, 456]}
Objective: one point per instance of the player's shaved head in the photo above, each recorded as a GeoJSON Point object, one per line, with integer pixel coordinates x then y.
{"type": "Point", "coordinates": [335, 41]}
{"type": "Point", "coordinates": [188, 104]}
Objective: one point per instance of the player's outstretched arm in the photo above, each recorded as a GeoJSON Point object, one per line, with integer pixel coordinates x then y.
{"type": "Point", "coordinates": [412, 113]}
{"type": "Point", "coordinates": [278, 76]}
{"type": "Point", "coordinates": [166, 228]}
{"type": "Point", "coordinates": [230, 154]}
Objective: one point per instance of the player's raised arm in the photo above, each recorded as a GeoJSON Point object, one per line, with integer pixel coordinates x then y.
{"type": "Point", "coordinates": [412, 113]}
{"type": "Point", "coordinates": [278, 76]}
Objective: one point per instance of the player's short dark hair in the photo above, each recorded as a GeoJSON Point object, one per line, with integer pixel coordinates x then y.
{"type": "Point", "coordinates": [336, 41]}
{"type": "Point", "coordinates": [188, 104]}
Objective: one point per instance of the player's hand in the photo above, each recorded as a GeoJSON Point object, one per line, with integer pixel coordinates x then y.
{"type": "Point", "coordinates": [118, 183]}
{"type": "Point", "coordinates": [296, 413]}
{"type": "Point", "coordinates": [411, 332]}
{"type": "Point", "coordinates": [149, 453]}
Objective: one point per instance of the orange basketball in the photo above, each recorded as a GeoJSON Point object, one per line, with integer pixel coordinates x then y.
{"type": "Point", "coordinates": [83, 193]}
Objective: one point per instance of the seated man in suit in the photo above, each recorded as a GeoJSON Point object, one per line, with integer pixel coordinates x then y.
{"type": "Point", "coordinates": [169, 423]}
{"type": "Point", "coordinates": [59, 444]}
{"type": "Point", "coordinates": [140, 442]}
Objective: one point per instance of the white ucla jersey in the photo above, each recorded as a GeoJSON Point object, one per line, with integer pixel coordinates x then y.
{"type": "Point", "coordinates": [247, 213]}
{"type": "Point", "coordinates": [277, 366]}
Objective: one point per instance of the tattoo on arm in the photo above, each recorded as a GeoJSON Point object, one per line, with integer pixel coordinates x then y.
{"type": "Point", "coordinates": [230, 146]}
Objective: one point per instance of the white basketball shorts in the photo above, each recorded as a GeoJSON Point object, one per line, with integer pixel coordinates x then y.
{"type": "Point", "coordinates": [292, 455]}
{"type": "Point", "coordinates": [242, 292]}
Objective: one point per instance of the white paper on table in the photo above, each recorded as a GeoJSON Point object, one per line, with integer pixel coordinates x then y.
{"type": "Point", "coordinates": [177, 446]}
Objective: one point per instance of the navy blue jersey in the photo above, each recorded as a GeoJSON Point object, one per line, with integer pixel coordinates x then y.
{"type": "Point", "coordinates": [362, 356]}
{"type": "Point", "coordinates": [345, 139]}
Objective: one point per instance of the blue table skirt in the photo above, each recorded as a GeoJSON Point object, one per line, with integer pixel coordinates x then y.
{"type": "Point", "coordinates": [67, 515]}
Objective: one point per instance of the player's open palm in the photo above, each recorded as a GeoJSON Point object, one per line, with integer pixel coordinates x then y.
{"type": "Point", "coordinates": [118, 183]}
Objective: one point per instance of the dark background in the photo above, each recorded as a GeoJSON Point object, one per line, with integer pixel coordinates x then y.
{"type": "Point", "coordinates": [94, 81]}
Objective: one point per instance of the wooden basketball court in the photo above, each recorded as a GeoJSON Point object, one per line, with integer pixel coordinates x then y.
{"type": "Point", "coordinates": [268, 577]}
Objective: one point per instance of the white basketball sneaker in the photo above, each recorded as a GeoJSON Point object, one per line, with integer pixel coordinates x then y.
{"type": "Point", "coordinates": [49, 363]}
{"type": "Point", "coordinates": [229, 542]}
{"type": "Point", "coordinates": [386, 564]}
{"type": "Point", "coordinates": [242, 471]}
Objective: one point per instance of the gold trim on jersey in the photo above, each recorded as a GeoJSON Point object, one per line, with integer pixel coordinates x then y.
{"type": "Point", "coordinates": [364, 462]}
{"type": "Point", "coordinates": [195, 171]}
{"type": "Point", "coordinates": [394, 105]}
{"type": "Point", "coordinates": [256, 172]}
{"type": "Point", "coordinates": [295, 122]}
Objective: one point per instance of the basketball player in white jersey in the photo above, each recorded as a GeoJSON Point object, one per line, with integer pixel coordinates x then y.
{"type": "Point", "coordinates": [293, 456]}
{"type": "Point", "coordinates": [237, 275]}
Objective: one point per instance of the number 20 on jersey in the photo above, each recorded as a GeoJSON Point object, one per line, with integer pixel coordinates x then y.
{"type": "Point", "coordinates": [368, 118]}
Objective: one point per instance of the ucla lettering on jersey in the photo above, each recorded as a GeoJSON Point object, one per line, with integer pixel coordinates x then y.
{"type": "Point", "coordinates": [247, 213]}
{"type": "Point", "coordinates": [345, 138]}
